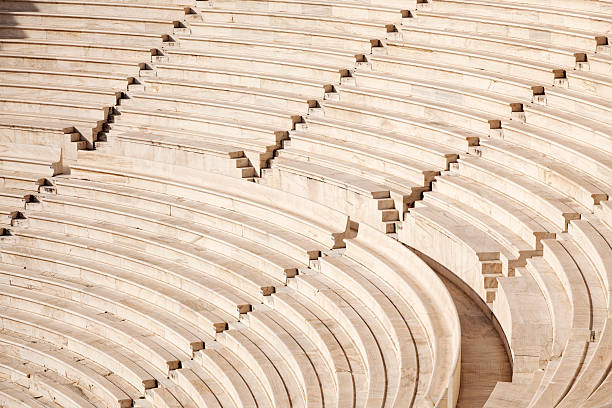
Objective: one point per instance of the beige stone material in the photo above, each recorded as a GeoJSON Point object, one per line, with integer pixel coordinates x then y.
{"type": "Point", "coordinates": [240, 202]}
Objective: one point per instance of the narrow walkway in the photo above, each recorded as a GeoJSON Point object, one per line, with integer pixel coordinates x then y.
{"type": "Point", "coordinates": [484, 360]}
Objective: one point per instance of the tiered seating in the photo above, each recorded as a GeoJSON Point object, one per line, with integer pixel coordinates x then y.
{"type": "Point", "coordinates": [65, 63]}
{"type": "Point", "coordinates": [418, 292]}
{"type": "Point", "coordinates": [498, 208]}
{"type": "Point", "coordinates": [271, 47]}
{"type": "Point", "coordinates": [151, 271]}
{"type": "Point", "coordinates": [231, 274]}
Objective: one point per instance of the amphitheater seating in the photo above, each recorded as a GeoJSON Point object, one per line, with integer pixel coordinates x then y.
{"type": "Point", "coordinates": [232, 202]}
{"type": "Point", "coordinates": [78, 44]}
{"type": "Point", "coordinates": [265, 312]}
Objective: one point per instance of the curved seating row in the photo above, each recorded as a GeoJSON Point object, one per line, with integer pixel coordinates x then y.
{"type": "Point", "coordinates": [300, 161]}
{"type": "Point", "coordinates": [56, 58]}
{"type": "Point", "coordinates": [214, 271]}
{"type": "Point", "coordinates": [255, 89]}
{"type": "Point", "coordinates": [541, 170]}
{"type": "Point", "coordinates": [528, 95]}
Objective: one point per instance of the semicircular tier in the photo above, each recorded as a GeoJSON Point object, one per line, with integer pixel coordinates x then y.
{"type": "Point", "coordinates": [285, 203]}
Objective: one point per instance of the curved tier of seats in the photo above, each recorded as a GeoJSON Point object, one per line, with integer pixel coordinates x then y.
{"type": "Point", "coordinates": [68, 62]}
{"type": "Point", "coordinates": [226, 202]}
{"type": "Point", "coordinates": [223, 294]}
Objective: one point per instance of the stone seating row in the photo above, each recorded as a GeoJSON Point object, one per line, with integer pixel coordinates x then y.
{"type": "Point", "coordinates": [575, 259]}
{"type": "Point", "coordinates": [529, 51]}
{"type": "Point", "coordinates": [215, 108]}
{"type": "Point", "coordinates": [249, 281]}
{"type": "Point", "coordinates": [571, 125]}
{"type": "Point", "coordinates": [38, 235]}
{"type": "Point", "coordinates": [260, 226]}
{"type": "Point", "coordinates": [570, 61]}
{"type": "Point", "coordinates": [604, 212]}
{"type": "Point", "coordinates": [302, 287]}
{"type": "Point", "coordinates": [377, 11]}
{"type": "Point", "coordinates": [512, 85]}
{"type": "Point", "coordinates": [410, 74]}
{"type": "Point", "coordinates": [253, 139]}
{"type": "Point", "coordinates": [34, 239]}
{"type": "Point", "coordinates": [585, 189]}
{"type": "Point", "coordinates": [366, 250]}
{"type": "Point", "coordinates": [75, 49]}
{"type": "Point", "coordinates": [25, 158]}
{"type": "Point", "coordinates": [463, 237]}
{"type": "Point", "coordinates": [149, 9]}
{"type": "Point", "coordinates": [582, 6]}
{"type": "Point", "coordinates": [215, 373]}
{"type": "Point", "coordinates": [111, 72]}
{"type": "Point", "coordinates": [73, 45]}
{"type": "Point", "coordinates": [483, 121]}
{"type": "Point", "coordinates": [82, 110]}
{"type": "Point", "coordinates": [139, 373]}
{"type": "Point", "coordinates": [550, 203]}
{"type": "Point", "coordinates": [67, 33]}
{"type": "Point", "coordinates": [14, 395]}
{"type": "Point", "coordinates": [120, 284]}
{"type": "Point", "coordinates": [553, 291]}
{"type": "Point", "coordinates": [576, 128]}
{"type": "Point", "coordinates": [542, 116]}
{"type": "Point", "coordinates": [381, 174]}
{"type": "Point", "coordinates": [258, 71]}
{"type": "Point", "coordinates": [526, 319]}
{"type": "Point", "coordinates": [315, 229]}
{"type": "Point", "coordinates": [63, 18]}
{"type": "Point", "coordinates": [162, 357]}
{"type": "Point", "coordinates": [25, 361]}
{"type": "Point", "coordinates": [363, 26]}
{"type": "Point", "coordinates": [313, 178]}
{"type": "Point", "coordinates": [588, 200]}
{"type": "Point", "coordinates": [358, 325]}
{"type": "Point", "coordinates": [580, 38]}
{"type": "Point", "coordinates": [587, 297]}
{"type": "Point", "coordinates": [589, 111]}
{"type": "Point", "coordinates": [594, 238]}
{"type": "Point", "coordinates": [592, 156]}
{"type": "Point", "coordinates": [588, 195]}
{"type": "Point", "coordinates": [295, 102]}
{"type": "Point", "coordinates": [52, 130]}
{"type": "Point", "coordinates": [545, 14]}
{"type": "Point", "coordinates": [104, 96]}
{"type": "Point", "coordinates": [331, 267]}
{"type": "Point", "coordinates": [87, 117]}
{"type": "Point", "coordinates": [240, 336]}
{"type": "Point", "coordinates": [170, 79]}
{"type": "Point", "coordinates": [593, 82]}
{"type": "Point", "coordinates": [230, 325]}
{"type": "Point", "coordinates": [541, 72]}
{"type": "Point", "coordinates": [200, 151]}
{"type": "Point", "coordinates": [584, 101]}
{"type": "Point", "coordinates": [412, 358]}
{"type": "Point", "coordinates": [302, 53]}
{"type": "Point", "coordinates": [62, 76]}
{"type": "Point", "coordinates": [273, 85]}
{"type": "Point", "coordinates": [385, 183]}
{"type": "Point", "coordinates": [340, 42]}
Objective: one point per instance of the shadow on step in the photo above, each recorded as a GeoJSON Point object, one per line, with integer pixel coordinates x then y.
{"type": "Point", "coordinates": [9, 27]}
